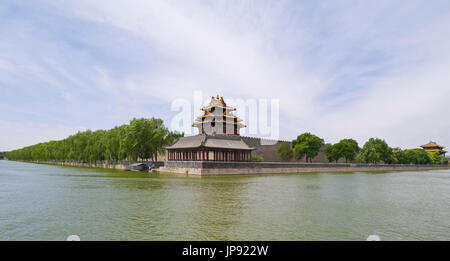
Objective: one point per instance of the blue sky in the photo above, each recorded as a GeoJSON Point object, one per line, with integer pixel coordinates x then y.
{"type": "Point", "coordinates": [339, 68]}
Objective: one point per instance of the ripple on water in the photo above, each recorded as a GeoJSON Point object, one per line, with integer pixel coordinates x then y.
{"type": "Point", "coordinates": [51, 202]}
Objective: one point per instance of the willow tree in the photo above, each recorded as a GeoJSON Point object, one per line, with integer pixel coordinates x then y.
{"type": "Point", "coordinates": [142, 138]}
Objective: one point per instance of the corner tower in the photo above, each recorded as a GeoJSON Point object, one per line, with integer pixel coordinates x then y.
{"type": "Point", "coordinates": [218, 118]}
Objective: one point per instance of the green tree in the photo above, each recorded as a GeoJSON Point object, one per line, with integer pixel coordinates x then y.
{"type": "Point", "coordinates": [417, 156]}
{"type": "Point", "coordinates": [399, 156]}
{"type": "Point", "coordinates": [172, 136]}
{"type": "Point", "coordinates": [256, 158]}
{"type": "Point", "coordinates": [376, 150]}
{"type": "Point", "coordinates": [308, 145]}
{"type": "Point", "coordinates": [332, 152]}
{"type": "Point", "coordinates": [284, 151]}
{"type": "Point", "coordinates": [347, 148]}
{"type": "Point", "coordinates": [111, 141]}
{"type": "Point", "coordinates": [435, 157]}
{"type": "Point", "coordinates": [142, 138]}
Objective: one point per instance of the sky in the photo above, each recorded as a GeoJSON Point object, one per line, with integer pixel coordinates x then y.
{"type": "Point", "coordinates": [339, 69]}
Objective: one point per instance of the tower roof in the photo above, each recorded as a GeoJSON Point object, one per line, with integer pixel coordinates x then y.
{"type": "Point", "coordinates": [222, 115]}
{"type": "Point", "coordinates": [213, 142]}
{"type": "Point", "coordinates": [432, 144]}
{"type": "Point", "coordinates": [219, 103]}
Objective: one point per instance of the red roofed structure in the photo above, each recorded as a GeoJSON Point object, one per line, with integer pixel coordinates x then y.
{"type": "Point", "coordinates": [434, 147]}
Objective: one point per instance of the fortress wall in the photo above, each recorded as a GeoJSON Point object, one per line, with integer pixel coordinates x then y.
{"type": "Point", "coordinates": [206, 168]}
{"type": "Point", "coordinates": [269, 152]}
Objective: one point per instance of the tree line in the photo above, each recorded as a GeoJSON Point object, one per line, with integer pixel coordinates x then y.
{"type": "Point", "coordinates": [374, 151]}
{"type": "Point", "coordinates": [141, 139]}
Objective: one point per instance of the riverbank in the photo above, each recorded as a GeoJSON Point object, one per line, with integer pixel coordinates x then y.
{"type": "Point", "coordinates": [211, 168]}
{"type": "Point", "coordinates": [119, 165]}
{"type": "Point", "coordinates": [205, 168]}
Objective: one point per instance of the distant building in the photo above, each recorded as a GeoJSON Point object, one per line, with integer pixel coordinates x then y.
{"type": "Point", "coordinates": [218, 138]}
{"type": "Point", "coordinates": [434, 147]}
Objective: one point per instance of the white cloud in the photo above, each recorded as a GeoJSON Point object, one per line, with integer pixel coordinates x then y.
{"type": "Point", "coordinates": [340, 69]}
{"type": "Point", "coordinates": [199, 50]}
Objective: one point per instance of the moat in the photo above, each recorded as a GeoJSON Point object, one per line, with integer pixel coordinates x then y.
{"type": "Point", "coordinates": [44, 202]}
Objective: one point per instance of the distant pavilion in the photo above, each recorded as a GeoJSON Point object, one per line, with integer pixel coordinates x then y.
{"type": "Point", "coordinates": [218, 138]}
{"type": "Point", "coordinates": [434, 147]}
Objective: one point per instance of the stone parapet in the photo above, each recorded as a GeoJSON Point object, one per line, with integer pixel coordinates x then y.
{"type": "Point", "coordinates": [246, 168]}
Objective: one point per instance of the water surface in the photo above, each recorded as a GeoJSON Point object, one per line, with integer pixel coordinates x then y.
{"type": "Point", "coordinates": [43, 202]}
